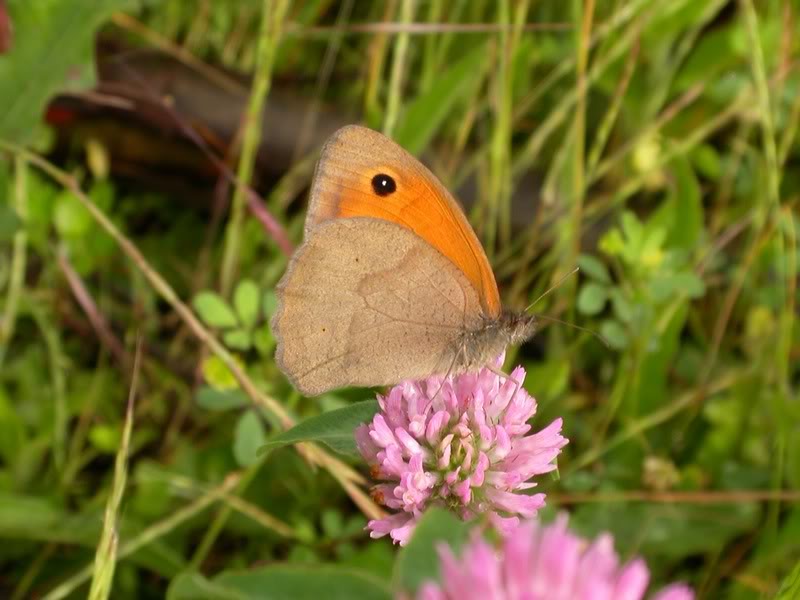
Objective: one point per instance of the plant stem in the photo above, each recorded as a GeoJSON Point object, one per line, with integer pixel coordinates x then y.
{"type": "Point", "coordinates": [106, 556]}
{"type": "Point", "coordinates": [50, 334]}
{"type": "Point", "coordinates": [584, 12]}
{"type": "Point", "coordinates": [19, 258]}
{"type": "Point", "coordinates": [150, 534]}
{"type": "Point", "coordinates": [498, 229]}
{"type": "Point", "coordinates": [221, 517]}
{"type": "Point", "coordinates": [273, 14]}
{"type": "Point", "coordinates": [376, 57]}
{"type": "Point", "coordinates": [398, 68]}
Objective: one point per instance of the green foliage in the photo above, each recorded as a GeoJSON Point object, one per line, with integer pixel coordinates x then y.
{"type": "Point", "coordinates": [243, 328]}
{"type": "Point", "coordinates": [249, 437]}
{"type": "Point", "coordinates": [424, 115]}
{"type": "Point", "coordinates": [51, 52]}
{"type": "Point", "coordinates": [418, 562]}
{"type": "Point", "coordinates": [274, 583]}
{"type": "Point", "coordinates": [333, 428]}
{"type": "Point", "coordinates": [10, 223]}
{"type": "Point", "coordinates": [673, 186]}
{"type": "Point", "coordinates": [791, 585]}
{"type": "Point", "coordinates": [214, 310]}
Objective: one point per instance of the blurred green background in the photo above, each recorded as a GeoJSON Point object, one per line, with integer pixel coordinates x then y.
{"type": "Point", "coordinates": [651, 143]}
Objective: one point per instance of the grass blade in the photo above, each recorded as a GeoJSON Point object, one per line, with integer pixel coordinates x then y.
{"type": "Point", "coordinates": [105, 559]}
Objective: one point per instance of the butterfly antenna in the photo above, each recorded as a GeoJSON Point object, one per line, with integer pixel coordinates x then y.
{"type": "Point", "coordinates": [578, 327]}
{"type": "Point", "coordinates": [556, 285]}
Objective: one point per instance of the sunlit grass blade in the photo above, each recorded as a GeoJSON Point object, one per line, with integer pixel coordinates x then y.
{"type": "Point", "coordinates": [106, 556]}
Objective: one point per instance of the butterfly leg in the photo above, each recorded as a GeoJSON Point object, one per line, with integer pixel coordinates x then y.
{"type": "Point", "coordinates": [504, 375]}
{"type": "Point", "coordinates": [449, 371]}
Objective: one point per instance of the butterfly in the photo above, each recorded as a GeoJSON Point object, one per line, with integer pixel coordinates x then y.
{"type": "Point", "coordinates": [391, 283]}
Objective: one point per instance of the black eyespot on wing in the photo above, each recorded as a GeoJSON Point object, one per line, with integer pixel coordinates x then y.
{"type": "Point", "coordinates": [383, 184]}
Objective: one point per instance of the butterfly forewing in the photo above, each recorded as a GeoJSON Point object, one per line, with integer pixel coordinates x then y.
{"type": "Point", "coordinates": [367, 302]}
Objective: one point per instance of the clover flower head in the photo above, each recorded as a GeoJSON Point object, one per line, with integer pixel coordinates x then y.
{"type": "Point", "coordinates": [536, 562]}
{"type": "Point", "coordinates": [460, 442]}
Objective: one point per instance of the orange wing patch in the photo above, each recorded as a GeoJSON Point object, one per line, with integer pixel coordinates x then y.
{"type": "Point", "coordinates": [343, 188]}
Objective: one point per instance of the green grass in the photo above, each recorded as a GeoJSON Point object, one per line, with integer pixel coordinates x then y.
{"type": "Point", "coordinates": [652, 144]}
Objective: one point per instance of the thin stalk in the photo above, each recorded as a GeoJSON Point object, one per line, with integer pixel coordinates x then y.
{"type": "Point", "coordinates": [500, 183]}
{"type": "Point", "coordinates": [649, 130]}
{"type": "Point", "coordinates": [773, 164]}
{"type": "Point", "coordinates": [638, 427]}
{"type": "Point", "coordinates": [96, 318]}
{"type": "Point", "coordinates": [530, 151]}
{"type": "Point", "coordinates": [105, 558]}
{"type": "Point", "coordinates": [398, 69]}
{"type": "Point", "coordinates": [58, 379]}
{"type": "Point", "coordinates": [740, 105]}
{"type": "Point", "coordinates": [273, 14]}
{"type": "Point", "coordinates": [377, 57]}
{"type": "Point", "coordinates": [610, 117]}
{"type": "Point", "coordinates": [309, 121]}
{"type": "Point", "coordinates": [612, 25]}
{"type": "Point", "coordinates": [429, 45]}
{"type": "Point", "coordinates": [786, 259]}
{"type": "Point", "coordinates": [16, 282]}
{"type": "Point", "coordinates": [35, 567]}
{"type": "Point", "coordinates": [499, 151]}
{"type": "Point", "coordinates": [221, 518]}
{"type": "Point", "coordinates": [764, 103]}
{"type": "Point", "coordinates": [586, 14]}
{"type": "Point", "coordinates": [150, 534]}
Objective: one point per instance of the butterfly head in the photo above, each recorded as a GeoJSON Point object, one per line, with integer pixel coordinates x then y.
{"type": "Point", "coordinates": [516, 327]}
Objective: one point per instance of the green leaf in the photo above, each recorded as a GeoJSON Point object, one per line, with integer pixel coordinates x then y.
{"type": "Point", "coordinates": [425, 114]}
{"type": "Point", "coordinates": [334, 428]}
{"type": "Point", "coordinates": [193, 586]}
{"type": "Point", "coordinates": [667, 531]}
{"type": "Point", "coordinates": [713, 53]}
{"type": "Point", "coordinates": [624, 310]}
{"type": "Point", "coordinates": [688, 208]}
{"type": "Point", "coordinates": [249, 437]}
{"type": "Point", "coordinates": [70, 217]}
{"type": "Point", "coordinates": [612, 242]}
{"type": "Point", "coordinates": [592, 298]}
{"type": "Point", "coordinates": [692, 285]}
{"type": "Point", "coordinates": [217, 373]}
{"type": "Point", "coordinates": [277, 582]}
{"type": "Point", "coordinates": [790, 588]}
{"type": "Point", "coordinates": [633, 230]}
{"type": "Point", "coordinates": [269, 303]}
{"type": "Point", "coordinates": [594, 268]}
{"type": "Point", "coordinates": [220, 400]}
{"type": "Point", "coordinates": [419, 561]}
{"type": "Point", "coordinates": [27, 516]}
{"type": "Point", "coordinates": [678, 284]}
{"type": "Point", "coordinates": [214, 310]}
{"type": "Point", "coordinates": [305, 583]}
{"type": "Point", "coordinates": [53, 41]}
{"type": "Point", "coordinates": [263, 340]}
{"type": "Point", "coordinates": [245, 299]}
{"type": "Point", "coordinates": [105, 438]}
{"type": "Point", "coordinates": [239, 339]}
{"type": "Point", "coordinates": [331, 522]}
{"type": "Point", "coordinates": [706, 159]}
{"type": "Point", "coordinates": [615, 334]}
{"type": "Point", "coordinates": [651, 390]}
